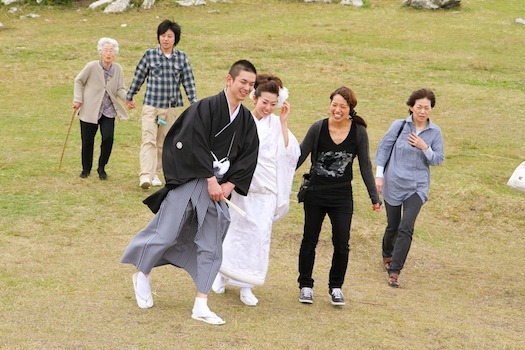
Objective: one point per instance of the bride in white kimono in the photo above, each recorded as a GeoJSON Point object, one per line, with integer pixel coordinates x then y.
{"type": "Point", "coordinates": [246, 248]}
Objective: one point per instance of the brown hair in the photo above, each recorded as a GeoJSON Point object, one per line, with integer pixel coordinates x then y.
{"type": "Point", "coordinates": [350, 98]}
{"type": "Point", "coordinates": [419, 94]}
{"type": "Point", "coordinates": [267, 83]}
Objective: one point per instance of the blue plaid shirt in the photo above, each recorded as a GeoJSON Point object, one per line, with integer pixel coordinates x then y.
{"type": "Point", "coordinates": [164, 77]}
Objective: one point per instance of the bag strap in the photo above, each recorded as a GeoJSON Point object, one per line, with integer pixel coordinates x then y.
{"type": "Point", "coordinates": [392, 149]}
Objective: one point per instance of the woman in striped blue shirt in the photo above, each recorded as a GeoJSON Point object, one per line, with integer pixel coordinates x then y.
{"type": "Point", "coordinates": [403, 160]}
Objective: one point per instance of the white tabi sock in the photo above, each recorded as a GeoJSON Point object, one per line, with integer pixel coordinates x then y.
{"type": "Point", "coordinates": [143, 286]}
{"type": "Point", "coordinates": [200, 307]}
{"type": "Point", "coordinates": [247, 297]}
{"type": "Point", "coordinates": [246, 291]}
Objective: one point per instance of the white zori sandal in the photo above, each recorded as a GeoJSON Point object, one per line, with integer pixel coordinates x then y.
{"type": "Point", "coordinates": [210, 318]}
{"type": "Point", "coordinates": [248, 298]}
{"type": "Point", "coordinates": [143, 301]}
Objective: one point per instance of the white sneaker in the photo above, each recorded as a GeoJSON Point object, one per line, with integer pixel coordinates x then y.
{"type": "Point", "coordinates": [144, 183]}
{"type": "Point", "coordinates": [156, 182]}
{"type": "Point", "coordinates": [337, 296]}
{"type": "Point", "coordinates": [248, 298]}
{"type": "Point", "coordinates": [306, 295]}
{"type": "Point", "coordinates": [219, 284]}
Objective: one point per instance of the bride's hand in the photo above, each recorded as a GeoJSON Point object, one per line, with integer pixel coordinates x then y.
{"type": "Point", "coordinates": [285, 112]}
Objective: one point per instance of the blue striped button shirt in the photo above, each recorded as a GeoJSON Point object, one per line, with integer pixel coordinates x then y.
{"type": "Point", "coordinates": [164, 77]}
{"type": "Point", "coordinates": [408, 170]}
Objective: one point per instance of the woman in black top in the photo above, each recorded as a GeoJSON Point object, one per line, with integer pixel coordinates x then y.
{"type": "Point", "coordinates": [333, 143]}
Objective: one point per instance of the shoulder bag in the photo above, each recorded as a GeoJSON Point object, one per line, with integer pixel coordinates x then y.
{"type": "Point", "coordinates": [392, 149]}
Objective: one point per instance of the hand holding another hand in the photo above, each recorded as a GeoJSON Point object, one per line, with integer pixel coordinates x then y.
{"type": "Point", "coordinates": [130, 104]}
{"type": "Point", "coordinates": [377, 207]}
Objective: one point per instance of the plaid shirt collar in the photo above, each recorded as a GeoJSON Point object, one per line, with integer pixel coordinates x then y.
{"type": "Point", "coordinates": [160, 53]}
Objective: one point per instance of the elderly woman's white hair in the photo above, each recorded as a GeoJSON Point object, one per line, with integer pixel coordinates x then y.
{"type": "Point", "coordinates": [104, 41]}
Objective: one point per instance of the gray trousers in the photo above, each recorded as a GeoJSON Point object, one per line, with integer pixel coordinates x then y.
{"type": "Point", "coordinates": [399, 230]}
{"type": "Point", "coordinates": [186, 232]}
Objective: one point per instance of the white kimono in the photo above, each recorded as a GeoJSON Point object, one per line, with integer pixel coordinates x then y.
{"type": "Point", "coordinates": [246, 248]}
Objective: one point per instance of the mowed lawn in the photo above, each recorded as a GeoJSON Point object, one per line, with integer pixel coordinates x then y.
{"type": "Point", "coordinates": [62, 285]}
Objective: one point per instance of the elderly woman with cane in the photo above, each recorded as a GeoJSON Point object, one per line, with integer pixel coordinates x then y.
{"type": "Point", "coordinates": [403, 158]}
{"type": "Point", "coordinates": [96, 89]}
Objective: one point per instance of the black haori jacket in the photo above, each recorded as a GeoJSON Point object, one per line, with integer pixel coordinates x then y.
{"type": "Point", "coordinates": [201, 129]}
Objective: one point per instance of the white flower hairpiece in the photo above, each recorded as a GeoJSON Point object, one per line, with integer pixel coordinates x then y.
{"type": "Point", "coordinates": [283, 96]}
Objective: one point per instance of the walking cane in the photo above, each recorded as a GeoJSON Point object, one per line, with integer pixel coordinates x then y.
{"type": "Point", "coordinates": [67, 135]}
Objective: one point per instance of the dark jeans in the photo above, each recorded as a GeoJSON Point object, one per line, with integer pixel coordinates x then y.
{"type": "Point", "coordinates": [399, 231]}
{"type": "Point", "coordinates": [88, 132]}
{"type": "Point", "coordinates": [341, 219]}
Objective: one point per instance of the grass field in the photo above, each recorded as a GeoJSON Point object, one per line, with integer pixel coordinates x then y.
{"type": "Point", "coordinates": [61, 237]}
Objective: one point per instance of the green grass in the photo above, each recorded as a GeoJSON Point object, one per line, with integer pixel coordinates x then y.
{"type": "Point", "coordinates": [61, 283]}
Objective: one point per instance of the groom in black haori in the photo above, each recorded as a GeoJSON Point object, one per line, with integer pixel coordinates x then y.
{"type": "Point", "coordinates": [210, 151]}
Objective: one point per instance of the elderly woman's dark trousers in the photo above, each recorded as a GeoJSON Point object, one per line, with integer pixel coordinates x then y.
{"type": "Point", "coordinates": [399, 230]}
{"type": "Point", "coordinates": [341, 219]}
{"type": "Point", "coordinates": [88, 132]}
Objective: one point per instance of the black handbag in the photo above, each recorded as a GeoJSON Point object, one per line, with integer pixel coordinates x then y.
{"type": "Point", "coordinates": [305, 182]}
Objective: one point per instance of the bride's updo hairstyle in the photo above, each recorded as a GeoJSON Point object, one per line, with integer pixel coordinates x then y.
{"type": "Point", "coordinates": [267, 83]}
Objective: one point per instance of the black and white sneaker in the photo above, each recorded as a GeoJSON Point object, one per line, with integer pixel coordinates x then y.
{"type": "Point", "coordinates": [307, 295]}
{"type": "Point", "coordinates": [337, 296]}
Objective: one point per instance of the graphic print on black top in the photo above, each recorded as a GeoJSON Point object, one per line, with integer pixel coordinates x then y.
{"type": "Point", "coordinates": [333, 163]}
{"type": "Point", "coordinates": [332, 167]}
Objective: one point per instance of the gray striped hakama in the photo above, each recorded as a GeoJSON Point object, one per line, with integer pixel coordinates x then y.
{"type": "Point", "coordinates": [187, 232]}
